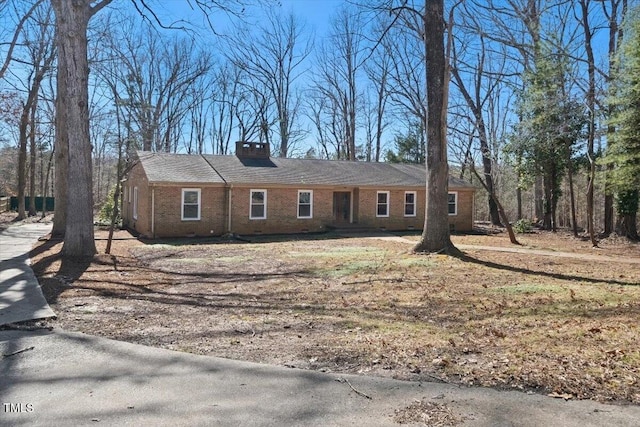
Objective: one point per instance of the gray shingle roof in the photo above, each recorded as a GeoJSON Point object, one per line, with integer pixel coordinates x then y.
{"type": "Point", "coordinates": [308, 172]}
{"type": "Point", "coordinates": [184, 168]}
{"type": "Point", "coordinates": [177, 168]}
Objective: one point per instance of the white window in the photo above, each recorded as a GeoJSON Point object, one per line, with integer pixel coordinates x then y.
{"type": "Point", "coordinates": [130, 194]}
{"type": "Point", "coordinates": [135, 202]}
{"type": "Point", "coordinates": [453, 203]}
{"type": "Point", "coordinates": [382, 206]}
{"type": "Point", "coordinates": [305, 204]}
{"type": "Point", "coordinates": [258, 204]}
{"type": "Point", "coordinates": [410, 203]}
{"type": "Point", "coordinates": [190, 204]}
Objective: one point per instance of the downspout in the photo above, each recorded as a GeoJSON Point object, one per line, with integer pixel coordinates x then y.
{"type": "Point", "coordinates": [153, 212]}
{"type": "Point", "coordinates": [229, 188]}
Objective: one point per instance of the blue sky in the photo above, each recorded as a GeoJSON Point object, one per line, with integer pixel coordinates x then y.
{"type": "Point", "coordinates": [315, 13]}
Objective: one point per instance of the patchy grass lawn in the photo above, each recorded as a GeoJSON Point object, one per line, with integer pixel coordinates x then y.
{"type": "Point", "coordinates": [556, 325]}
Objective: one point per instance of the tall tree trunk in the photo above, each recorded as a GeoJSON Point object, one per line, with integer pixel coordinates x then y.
{"type": "Point", "coordinates": [72, 19]}
{"type": "Point", "coordinates": [626, 224]}
{"type": "Point", "coordinates": [572, 198]}
{"type": "Point", "coordinates": [555, 196]}
{"type": "Point", "coordinates": [591, 94]}
{"type": "Point", "coordinates": [503, 214]}
{"type": "Point", "coordinates": [547, 203]}
{"type": "Point", "coordinates": [22, 161]}
{"type": "Point", "coordinates": [45, 185]}
{"type": "Point", "coordinates": [27, 119]}
{"type": "Point", "coordinates": [538, 198]}
{"type": "Point", "coordinates": [476, 109]}
{"type": "Point", "coordinates": [616, 35]}
{"type": "Point", "coordinates": [435, 235]}
{"type": "Point", "coordinates": [61, 150]}
{"type": "Point", "coordinates": [486, 164]}
{"type": "Point", "coordinates": [32, 161]}
{"type": "Point", "coordinates": [608, 196]}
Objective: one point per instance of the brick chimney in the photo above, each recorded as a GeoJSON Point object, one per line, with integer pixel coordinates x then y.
{"type": "Point", "coordinates": [252, 150]}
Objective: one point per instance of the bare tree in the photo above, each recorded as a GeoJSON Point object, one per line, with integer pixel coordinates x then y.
{"type": "Point", "coordinates": [435, 235]}
{"type": "Point", "coordinates": [404, 46]}
{"type": "Point", "coordinates": [72, 137]}
{"type": "Point", "coordinates": [199, 115]}
{"type": "Point", "coordinates": [515, 24]}
{"type": "Point", "coordinates": [591, 124]}
{"type": "Point", "coordinates": [273, 56]}
{"type": "Point", "coordinates": [224, 104]}
{"type": "Point", "coordinates": [157, 74]}
{"type": "Point", "coordinates": [39, 56]}
{"type": "Point", "coordinates": [340, 63]}
{"type": "Point", "coordinates": [481, 86]}
{"type": "Point", "coordinates": [4, 10]}
{"type": "Point", "coordinates": [326, 121]}
{"type": "Point", "coordinates": [109, 75]}
{"type": "Point", "coordinates": [377, 68]}
{"type": "Point", "coordinates": [72, 124]}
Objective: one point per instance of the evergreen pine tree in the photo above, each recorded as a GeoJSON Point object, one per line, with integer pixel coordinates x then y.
{"type": "Point", "coordinates": [623, 149]}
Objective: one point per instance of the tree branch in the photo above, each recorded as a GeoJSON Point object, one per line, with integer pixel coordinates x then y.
{"type": "Point", "coordinates": [16, 34]}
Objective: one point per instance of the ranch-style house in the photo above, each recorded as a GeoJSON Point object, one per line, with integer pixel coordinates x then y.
{"type": "Point", "coordinates": [175, 195]}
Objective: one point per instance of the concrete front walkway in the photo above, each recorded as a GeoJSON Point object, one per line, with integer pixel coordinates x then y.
{"type": "Point", "coordinates": [21, 298]}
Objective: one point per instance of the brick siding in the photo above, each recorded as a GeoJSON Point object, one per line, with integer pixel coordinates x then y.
{"type": "Point", "coordinates": [282, 206]}
{"type": "Point", "coordinates": [463, 221]}
{"type": "Point", "coordinates": [282, 211]}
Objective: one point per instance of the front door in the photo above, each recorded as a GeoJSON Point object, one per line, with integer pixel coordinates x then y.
{"type": "Point", "coordinates": [342, 207]}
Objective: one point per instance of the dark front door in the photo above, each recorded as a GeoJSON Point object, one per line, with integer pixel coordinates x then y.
{"type": "Point", "coordinates": [342, 207]}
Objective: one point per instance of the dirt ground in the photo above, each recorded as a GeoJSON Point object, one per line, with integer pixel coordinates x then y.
{"type": "Point", "coordinates": [564, 326]}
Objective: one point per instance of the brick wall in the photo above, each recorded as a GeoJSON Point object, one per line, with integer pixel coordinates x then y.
{"type": "Point", "coordinates": [367, 210]}
{"type": "Point", "coordinates": [282, 206]}
{"type": "Point", "coordinates": [282, 211]}
{"type": "Point", "coordinates": [463, 221]}
{"type": "Point", "coordinates": [168, 212]}
{"type": "Point", "coordinates": [142, 224]}
{"type": "Point", "coordinates": [168, 208]}
{"type": "Point", "coordinates": [367, 201]}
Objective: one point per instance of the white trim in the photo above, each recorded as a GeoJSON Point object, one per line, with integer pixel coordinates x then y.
{"type": "Point", "coordinates": [182, 204]}
{"type": "Point", "coordinates": [455, 194]}
{"type": "Point", "coordinates": [310, 204]}
{"type": "Point", "coordinates": [135, 202]}
{"type": "Point", "coordinates": [251, 203]}
{"type": "Point", "coordinates": [379, 204]}
{"type": "Point", "coordinates": [415, 203]}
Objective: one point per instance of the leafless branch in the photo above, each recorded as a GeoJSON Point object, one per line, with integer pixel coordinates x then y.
{"type": "Point", "coordinates": [16, 34]}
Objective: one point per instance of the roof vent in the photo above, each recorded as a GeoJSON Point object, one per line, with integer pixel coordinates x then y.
{"type": "Point", "coordinates": [252, 150]}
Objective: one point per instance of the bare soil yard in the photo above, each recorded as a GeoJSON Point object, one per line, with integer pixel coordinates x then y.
{"type": "Point", "coordinates": [564, 326]}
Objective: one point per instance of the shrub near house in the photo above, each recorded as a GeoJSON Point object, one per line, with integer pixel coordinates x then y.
{"type": "Point", "coordinates": [171, 195]}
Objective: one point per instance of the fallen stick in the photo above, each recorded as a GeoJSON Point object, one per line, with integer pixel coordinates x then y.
{"type": "Point", "coordinates": [18, 352]}
{"type": "Point", "coordinates": [344, 380]}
